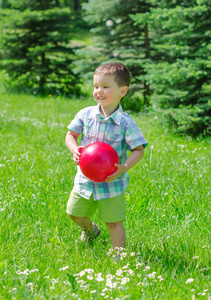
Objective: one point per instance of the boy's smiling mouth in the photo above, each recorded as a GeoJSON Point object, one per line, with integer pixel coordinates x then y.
{"type": "Point", "coordinates": [101, 98]}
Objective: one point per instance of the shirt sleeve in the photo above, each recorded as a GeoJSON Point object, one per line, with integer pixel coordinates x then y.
{"type": "Point", "coordinates": [134, 136]}
{"type": "Point", "coordinates": [77, 123]}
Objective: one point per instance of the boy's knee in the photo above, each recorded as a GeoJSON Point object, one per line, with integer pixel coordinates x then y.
{"type": "Point", "coordinates": [72, 217]}
{"type": "Point", "coordinates": [112, 226]}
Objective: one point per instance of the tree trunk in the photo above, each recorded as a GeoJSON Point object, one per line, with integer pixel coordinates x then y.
{"type": "Point", "coordinates": [76, 5]}
{"type": "Point", "coordinates": [147, 55]}
{"type": "Point", "coordinates": [43, 75]}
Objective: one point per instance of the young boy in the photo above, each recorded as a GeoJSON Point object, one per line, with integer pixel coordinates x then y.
{"type": "Point", "coordinates": [106, 123]}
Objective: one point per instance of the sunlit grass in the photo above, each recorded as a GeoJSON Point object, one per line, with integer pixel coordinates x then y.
{"type": "Point", "coordinates": [168, 212]}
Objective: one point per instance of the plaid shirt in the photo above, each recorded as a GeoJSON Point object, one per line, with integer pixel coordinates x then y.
{"type": "Point", "coordinates": [121, 132]}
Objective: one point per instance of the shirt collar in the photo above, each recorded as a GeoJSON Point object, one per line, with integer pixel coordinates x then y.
{"type": "Point", "coordinates": [116, 116]}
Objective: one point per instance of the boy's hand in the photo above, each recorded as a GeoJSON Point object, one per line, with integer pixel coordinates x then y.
{"type": "Point", "coordinates": [121, 169]}
{"type": "Point", "coordinates": [76, 154]}
{"type": "Point", "coordinates": [131, 161]}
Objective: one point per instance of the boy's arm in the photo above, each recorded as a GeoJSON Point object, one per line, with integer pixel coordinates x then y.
{"type": "Point", "coordinates": [72, 144]}
{"type": "Point", "coordinates": [133, 159]}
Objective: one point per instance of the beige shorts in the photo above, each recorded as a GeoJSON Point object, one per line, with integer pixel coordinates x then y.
{"type": "Point", "coordinates": [110, 210]}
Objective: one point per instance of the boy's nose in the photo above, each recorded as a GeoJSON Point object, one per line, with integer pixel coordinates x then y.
{"type": "Point", "coordinates": [100, 91]}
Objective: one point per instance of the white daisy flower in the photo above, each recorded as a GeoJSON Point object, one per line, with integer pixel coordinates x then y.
{"type": "Point", "coordinates": [190, 280]}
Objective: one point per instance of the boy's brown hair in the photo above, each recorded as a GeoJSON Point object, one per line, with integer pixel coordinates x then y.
{"type": "Point", "coordinates": [118, 70]}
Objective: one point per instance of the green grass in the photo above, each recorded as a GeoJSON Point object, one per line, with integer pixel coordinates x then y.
{"type": "Point", "coordinates": [168, 212]}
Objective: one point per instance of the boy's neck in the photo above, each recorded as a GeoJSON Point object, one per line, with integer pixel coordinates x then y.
{"type": "Point", "coordinates": [107, 111]}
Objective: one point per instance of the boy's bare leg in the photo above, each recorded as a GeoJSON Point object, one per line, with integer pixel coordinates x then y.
{"type": "Point", "coordinates": [117, 233]}
{"type": "Point", "coordinates": [83, 222]}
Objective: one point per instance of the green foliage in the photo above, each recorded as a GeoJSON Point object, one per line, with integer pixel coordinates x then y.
{"type": "Point", "coordinates": [133, 101]}
{"type": "Point", "coordinates": [178, 82]}
{"type": "Point", "coordinates": [193, 119]}
{"type": "Point", "coordinates": [34, 5]}
{"type": "Point", "coordinates": [37, 50]}
{"type": "Point", "coordinates": [116, 39]}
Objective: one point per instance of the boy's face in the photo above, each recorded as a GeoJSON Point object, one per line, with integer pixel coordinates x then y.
{"type": "Point", "coordinates": [106, 92]}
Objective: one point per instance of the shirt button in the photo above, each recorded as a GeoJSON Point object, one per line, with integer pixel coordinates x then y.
{"type": "Point", "coordinates": [111, 139]}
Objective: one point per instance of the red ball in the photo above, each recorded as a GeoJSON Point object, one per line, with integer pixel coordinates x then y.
{"type": "Point", "coordinates": [98, 161]}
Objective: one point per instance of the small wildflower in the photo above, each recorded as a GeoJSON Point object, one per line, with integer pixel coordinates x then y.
{"type": "Point", "coordinates": [90, 277]}
{"type": "Point", "coordinates": [152, 275]}
{"type": "Point", "coordinates": [93, 292]}
{"type": "Point", "coordinates": [125, 267]}
{"type": "Point", "coordinates": [64, 268]}
{"type": "Point", "coordinates": [110, 252]}
{"type": "Point", "coordinates": [190, 280]}
{"type": "Point", "coordinates": [119, 272]}
{"type": "Point", "coordinates": [125, 280]}
{"type": "Point", "coordinates": [99, 278]}
{"type": "Point", "coordinates": [195, 257]}
{"type": "Point", "coordinates": [81, 282]}
{"type": "Point", "coordinates": [53, 280]}
{"type": "Point", "coordinates": [132, 254]}
{"type": "Point", "coordinates": [85, 288]}
{"type": "Point", "coordinates": [130, 272]}
{"type": "Point", "coordinates": [110, 276]}
{"type": "Point", "coordinates": [119, 250]}
{"type": "Point", "coordinates": [35, 270]}
{"type": "Point", "coordinates": [111, 284]}
{"type": "Point", "coordinates": [82, 273]}
{"type": "Point", "coordinates": [14, 290]}
{"type": "Point", "coordinates": [30, 285]}
{"type": "Point", "coordinates": [160, 278]}
{"type": "Point", "coordinates": [138, 265]}
{"type": "Point", "coordinates": [124, 254]}
{"type": "Point", "coordinates": [89, 271]}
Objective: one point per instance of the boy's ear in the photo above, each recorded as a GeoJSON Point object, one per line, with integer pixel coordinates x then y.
{"type": "Point", "coordinates": [124, 90]}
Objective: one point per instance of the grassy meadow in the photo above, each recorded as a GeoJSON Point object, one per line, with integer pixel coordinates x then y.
{"type": "Point", "coordinates": [168, 225]}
